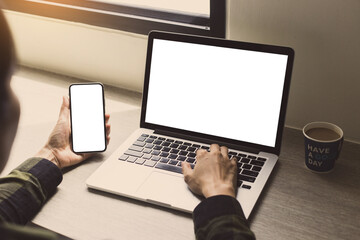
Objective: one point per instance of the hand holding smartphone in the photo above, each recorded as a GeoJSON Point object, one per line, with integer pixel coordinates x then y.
{"type": "Point", "coordinates": [87, 115]}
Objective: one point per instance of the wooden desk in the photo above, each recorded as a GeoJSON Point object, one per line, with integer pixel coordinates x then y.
{"type": "Point", "coordinates": [295, 204]}
{"type": "Point", "coordinates": [300, 204]}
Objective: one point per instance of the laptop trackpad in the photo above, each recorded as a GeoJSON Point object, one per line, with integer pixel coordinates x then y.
{"type": "Point", "coordinates": [167, 189]}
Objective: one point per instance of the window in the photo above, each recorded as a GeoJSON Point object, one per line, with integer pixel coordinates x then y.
{"type": "Point", "coordinates": [202, 17]}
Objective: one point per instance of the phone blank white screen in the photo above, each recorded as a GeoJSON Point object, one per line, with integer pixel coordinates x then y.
{"type": "Point", "coordinates": [87, 118]}
{"type": "Point", "coordinates": [230, 93]}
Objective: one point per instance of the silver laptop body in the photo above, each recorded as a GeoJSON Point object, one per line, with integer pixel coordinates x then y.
{"type": "Point", "coordinates": [199, 91]}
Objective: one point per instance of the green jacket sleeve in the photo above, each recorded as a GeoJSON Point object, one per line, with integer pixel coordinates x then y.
{"type": "Point", "coordinates": [24, 191]}
{"type": "Point", "coordinates": [221, 217]}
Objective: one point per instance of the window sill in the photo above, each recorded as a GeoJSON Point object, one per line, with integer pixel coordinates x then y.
{"type": "Point", "coordinates": [124, 18]}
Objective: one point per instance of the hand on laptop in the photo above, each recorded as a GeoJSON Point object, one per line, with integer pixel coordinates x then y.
{"type": "Point", "coordinates": [58, 147]}
{"type": "Point", "coordinates": [214, 173]}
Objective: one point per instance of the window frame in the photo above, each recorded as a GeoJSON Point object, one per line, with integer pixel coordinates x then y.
{"type": "Point", "coordinates": [124, 18]}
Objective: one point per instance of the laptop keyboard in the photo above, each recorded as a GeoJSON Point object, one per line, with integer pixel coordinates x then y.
{"type": "Point", "coordinates": [168, 154]}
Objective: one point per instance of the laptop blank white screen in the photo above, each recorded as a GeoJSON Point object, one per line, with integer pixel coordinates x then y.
{"type": "Point", "coordinates": [225, 92]}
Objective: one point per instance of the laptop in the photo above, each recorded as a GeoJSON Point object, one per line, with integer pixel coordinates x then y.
{"type": "Point", "coordinates": [198, 91]}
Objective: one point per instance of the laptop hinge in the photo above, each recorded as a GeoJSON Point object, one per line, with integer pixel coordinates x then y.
{"type": "Point", "coordinates": [207, 141]}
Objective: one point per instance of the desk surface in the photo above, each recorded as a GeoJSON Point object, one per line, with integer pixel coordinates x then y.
{"type": "Point", "coordinates": [295, 204]}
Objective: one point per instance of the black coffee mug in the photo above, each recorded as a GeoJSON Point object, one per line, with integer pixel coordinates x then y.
{"type": "Point", "coordinates": [323, 142]}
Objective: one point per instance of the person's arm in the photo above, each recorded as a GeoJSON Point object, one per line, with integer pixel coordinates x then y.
{"type": "Point", "coordinates": [26, 188]}
{"type": "Point", "coordinates": [219, 215]}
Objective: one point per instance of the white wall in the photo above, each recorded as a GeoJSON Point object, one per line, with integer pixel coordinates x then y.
{"type": "Point", "coordinates": [79, 50]}
{"type": "Point", "coordinates": [325, 35]}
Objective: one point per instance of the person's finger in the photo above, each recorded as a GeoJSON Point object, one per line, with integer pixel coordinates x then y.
{"type": "Point", "coordinates": [108, 129]}
{"type": "Point", "coordinates": [67, 101]}
{"type": "Point", "coordinates": [234, 168]}
{"type": "Point", "coordinates": [65, 108]}
{"type": "Point", "coordinates": [85, 156]}
{"type": "Point", "coordinates": [107, 135]}
{"type": "Point", "coordinates": [214, 147]}
{"type": "Point", "coordinates": [234, 165]}
{"type": "Point", "coordinates": [233, 161]}
{"type": "Point", "coordinates": [200, 152]}
{"type": "Point", "coordinates": [107, 117]}
{"type": "Point", "coordinates": [187, 171]}
{"type": "Point", "coordinates": [224, 152]}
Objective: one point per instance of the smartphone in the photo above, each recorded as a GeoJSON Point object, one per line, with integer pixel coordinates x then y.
{"type": "Point", "coordinates": [87, 117]}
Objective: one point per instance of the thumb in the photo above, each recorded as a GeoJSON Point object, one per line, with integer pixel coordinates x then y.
{"type": "Point", "coordinates": [187, 171]}
{"type": "Point", "coordinates": [65, 108]}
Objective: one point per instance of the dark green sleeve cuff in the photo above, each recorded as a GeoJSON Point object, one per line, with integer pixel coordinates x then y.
{"type": "Point", "coordinates": [26, 189]}
{"type": "Point", "coordinates": [214, 207]}
{"type": "Point", "coordinates": [47, 173]}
